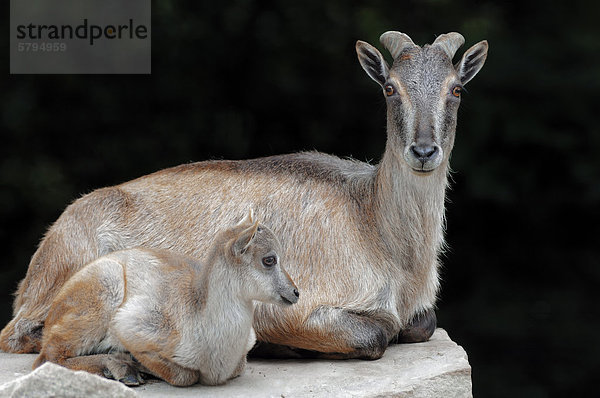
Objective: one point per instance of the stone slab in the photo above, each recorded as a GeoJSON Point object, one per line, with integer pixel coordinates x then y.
{"type": "Point", "coordinates": [51, 380]}
{"type": "Point", "coordinates": [437, 368]}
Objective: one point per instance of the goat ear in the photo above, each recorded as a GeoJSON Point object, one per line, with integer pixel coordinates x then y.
{"type": "Point", "coordinates": [372, 62]}
{"type": "Point", "coordinates": [244, 239]}
{"type": "Point", "coordinates": [472, 61]}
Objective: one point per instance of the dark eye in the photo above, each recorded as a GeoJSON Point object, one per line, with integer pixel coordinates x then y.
{"type": "Point", "coordinates": [456, 91]}
{"type": "Point", "coordinates": [269, 261]}
{"type": "Point", "coordinates": [389, 90]}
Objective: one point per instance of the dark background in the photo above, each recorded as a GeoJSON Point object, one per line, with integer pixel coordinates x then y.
{"type": "Point", "coordinates": [239, 79]}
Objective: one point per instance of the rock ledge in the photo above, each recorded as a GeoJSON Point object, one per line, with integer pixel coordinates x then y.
{"type": "Point", "coordinates": [437, 368]}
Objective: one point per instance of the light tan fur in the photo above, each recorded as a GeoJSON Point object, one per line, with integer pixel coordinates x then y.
{"type": "Point", "coordinates": [182, 320]}
{"type": "Point", "coordinates": [360, 240]}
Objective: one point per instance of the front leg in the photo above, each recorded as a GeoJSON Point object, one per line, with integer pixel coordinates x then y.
{"type": "Point", "coordinates": [333, 332]}
{"type": "Point", "coordinates": [156, 365]}
{"type": "Point", "coordinates": [239, 368]}
{"type": "Point", "coordinates": [242, 364]}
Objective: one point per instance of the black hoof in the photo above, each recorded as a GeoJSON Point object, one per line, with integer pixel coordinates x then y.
{"type": "Point", "coordinates": [132, 380]}
{"type": "Point", "coordinates": [419, 329]}
{"type": "Point", "coordinates": [124, 368]}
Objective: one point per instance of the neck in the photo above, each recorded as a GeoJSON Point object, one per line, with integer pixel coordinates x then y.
{"type": "Point", "coordinates": [219, 290]}
{"type": "Point", "coordinates": [410, 209]}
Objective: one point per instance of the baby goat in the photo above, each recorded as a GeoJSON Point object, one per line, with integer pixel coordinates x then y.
{"type": "Point", "coordinates": [183, 321]}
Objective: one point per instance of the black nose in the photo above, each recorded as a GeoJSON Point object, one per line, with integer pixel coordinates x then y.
{"type": "Point", "coordinates": [296, 293]}
{"type": "Point", "coordinates": [424, 152]}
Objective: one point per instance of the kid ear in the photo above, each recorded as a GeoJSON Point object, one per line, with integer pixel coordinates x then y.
{"type": "Point", "coordinates": [249, 219]}
{"type": "Point", "coordinates": [244, 239]}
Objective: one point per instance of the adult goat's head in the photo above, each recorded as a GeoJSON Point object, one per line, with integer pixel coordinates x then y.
{"type": "Point", "coordinates": [423, 91]}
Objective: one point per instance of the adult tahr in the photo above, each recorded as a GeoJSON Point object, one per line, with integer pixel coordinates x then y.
{"type": "Point", "coordinates": [361, 241]}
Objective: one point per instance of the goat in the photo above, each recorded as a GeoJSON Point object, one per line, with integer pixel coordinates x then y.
{"type": "Point", "coordinates": [182, 320]}
{"type": "Point", "coordinates": [362, 241]}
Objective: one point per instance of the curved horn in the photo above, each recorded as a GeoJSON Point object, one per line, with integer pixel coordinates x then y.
{"type": "Point", "coordinates": [449, 42]}
{"type": "Point", "coordinates": [396, 42]}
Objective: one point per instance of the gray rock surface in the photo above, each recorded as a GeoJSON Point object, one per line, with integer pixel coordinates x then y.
{"type": "Point", "coordinates": [437, 368]}
{"type": "Point", "coordinates": [50, 380]}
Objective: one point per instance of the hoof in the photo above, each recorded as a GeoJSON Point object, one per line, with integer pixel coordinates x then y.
{"type": "Point", "coordinates": [124, 368]}
{"type": "Point", "coordinates": [419, 329]}
{"type": "Point", "coordinates": [132, 380]}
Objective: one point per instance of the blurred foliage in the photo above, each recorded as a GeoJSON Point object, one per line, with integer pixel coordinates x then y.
{"type": "Point", "coordinates": [240, 78]}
